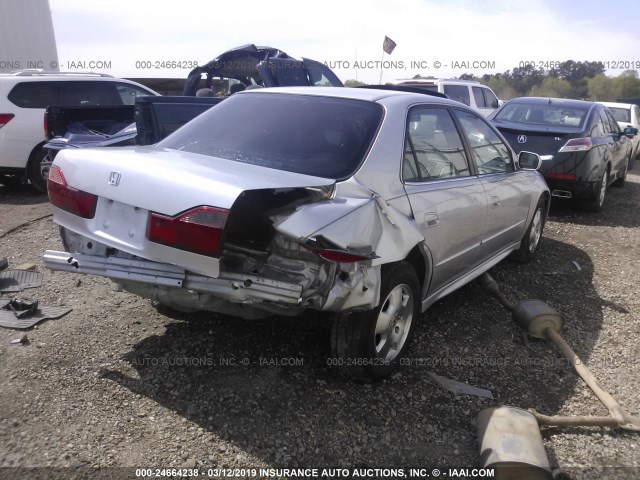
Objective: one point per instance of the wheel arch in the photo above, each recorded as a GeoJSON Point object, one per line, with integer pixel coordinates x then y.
{"type": "Point", "coordinates": [420, 259]}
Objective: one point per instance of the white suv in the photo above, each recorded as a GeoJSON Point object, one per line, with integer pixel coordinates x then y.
{"type": "Point", "coordinates": [25, 95]}
{"type": "Point", "coordinates": [469, 92]}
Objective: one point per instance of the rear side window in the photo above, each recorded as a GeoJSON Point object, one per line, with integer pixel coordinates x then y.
{"type": "Point", "coordinates": [87, 93]}
{"type": "Point", "coordinates": [458, 92]}
{"type": "Point", "coordinates": [33, 94]}
{"type": "Point", "coordinates": [313, 135]}
{"type": "Point", "coordinates": [433, 148]}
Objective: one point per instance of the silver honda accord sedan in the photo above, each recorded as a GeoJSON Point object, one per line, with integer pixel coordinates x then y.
{"type": "Point", "coordinates": [369, 205]}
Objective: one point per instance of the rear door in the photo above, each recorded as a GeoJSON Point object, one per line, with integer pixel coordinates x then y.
{"type": "Point", "coordinates": [619, 146]}
{"type": "Point", "coordinates": [507, 192]}
{"type": "Point", "coordinates": [448, 203]}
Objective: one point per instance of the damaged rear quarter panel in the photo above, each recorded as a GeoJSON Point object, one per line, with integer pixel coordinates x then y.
{"type": "Point", "coordinates": [356, 219]}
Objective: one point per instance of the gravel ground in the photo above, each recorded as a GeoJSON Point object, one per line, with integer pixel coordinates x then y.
{"type": "Point", "coordinates": [117, 383]}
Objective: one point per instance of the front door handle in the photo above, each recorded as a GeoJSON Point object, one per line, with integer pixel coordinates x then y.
{"type": "Point", "coordinates": [431, 219]}
{"type": "Point", "coordinates": [495, 202]}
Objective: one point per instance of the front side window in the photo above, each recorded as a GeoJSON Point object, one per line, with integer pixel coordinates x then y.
{"type": "Point", "coordinates": [615, 128]}
{"type": "Point", "coordinates": [433, 148]}
{"type": "Point", "coordinates": [459, 93]}
{"type": "Point", "coordinates": [490, 99]}
{"type": "Point", "coordinates": [313, 135]}
{"type": "Point", "coordinates": [478, 97]}
{"type": "Point", "coordinates": [490, 153]}
{"type": "Point", "coordinates": [128, 93]}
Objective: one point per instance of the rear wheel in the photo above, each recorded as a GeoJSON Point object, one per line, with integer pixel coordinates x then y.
{"type": "Point", "coordinates": [623, 179]}
{"type": "Point", "coordinates": [34, 171]}
{"type": "Point", "coordinates": [595, 205]}
{"type": "Point", "coordinates": [531, 240]}
{"type": "Point", "coordinates": [367, 346]}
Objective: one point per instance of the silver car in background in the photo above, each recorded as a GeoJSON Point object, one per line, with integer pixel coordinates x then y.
{"type": "Point", "coordinates": [370, 205]}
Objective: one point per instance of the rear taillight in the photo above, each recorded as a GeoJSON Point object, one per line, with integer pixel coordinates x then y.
{"type": "Point", "coordinates": [46, 126]}
{"type": "Point", "coordinates": [338, 256]}
{"type": "Point", "coordinates": [198, 230]}
{"type": "Point", "coordinates": [577, 145]}
{"type": "Point", "coordinates": [561, 176]}
{"type": "Point", "coordinates": [5, 118]}
{"type": "Point", "coordinates": [67, 198]}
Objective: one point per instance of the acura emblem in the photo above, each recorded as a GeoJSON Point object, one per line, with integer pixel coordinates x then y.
{"type": "Point", "coordinates": [114, 179]}
{"type": "Point", "coordinates": [521, 139]}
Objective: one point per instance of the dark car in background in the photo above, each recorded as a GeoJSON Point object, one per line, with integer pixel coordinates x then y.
{"type": "Point", "coordinates": [582, 148]}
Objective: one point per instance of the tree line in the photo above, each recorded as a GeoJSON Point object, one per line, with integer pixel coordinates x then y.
{"type": "Point", "coordinates": [569, 79]}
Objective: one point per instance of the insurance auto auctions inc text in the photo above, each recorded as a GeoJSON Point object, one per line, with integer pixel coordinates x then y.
{"type": "Point", "coordinates": [333, 473]}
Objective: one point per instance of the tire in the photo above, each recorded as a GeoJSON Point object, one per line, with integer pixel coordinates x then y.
{"type": "Point", "coordinates": [34, 174]}
{"type": "Point", "coordinates": [595, 205]}
{"type": "Point", "coordinates": [531, 240]}
{"type": "Point", "coordinates": [367, 346]}
{"type": "Point", "coordinates": [623, 179]}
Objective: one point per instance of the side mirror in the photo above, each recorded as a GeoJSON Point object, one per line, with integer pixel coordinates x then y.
{"type": "Point", "coordinates": [529, 160]}
{"type": "Point", "coordinates": [630, 132]}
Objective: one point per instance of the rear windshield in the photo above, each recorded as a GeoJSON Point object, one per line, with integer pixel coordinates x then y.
{"type": "Point", "coordinates": [621, 114]}
{"type": "Point", "coordinates": [537, 114]}
{"type": "Point", "coordinates": [314, 135]}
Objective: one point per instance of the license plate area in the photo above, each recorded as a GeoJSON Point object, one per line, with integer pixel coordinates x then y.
{"type": "Point", "coordinates": [121, 222]}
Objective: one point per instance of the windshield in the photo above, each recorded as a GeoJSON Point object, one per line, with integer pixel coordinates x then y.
{"type": "Point", "coordinates": [537, 114]}
{"type": "Point", "coordinates": [314, 135]}
{"type": "Point", "coordinates": [621, 114]}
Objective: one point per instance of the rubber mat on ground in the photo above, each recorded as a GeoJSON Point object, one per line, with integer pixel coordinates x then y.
{"type": "Point", "coordinates": [12, 281]}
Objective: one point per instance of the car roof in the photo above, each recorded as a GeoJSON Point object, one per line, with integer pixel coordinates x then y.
{"type": "Point", "coordinates": [617, 104]}
{"type": "Point", "coordinates": [360, 93]}
{"type": "Point", "coordinates": [562, 102]}
{"type": "Point", "coordinates": [433, 81]}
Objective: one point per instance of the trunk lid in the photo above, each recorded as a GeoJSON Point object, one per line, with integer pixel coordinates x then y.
{"type": "Point", "coordinates": [540, 140]}
{"type": "Point", "coordinates": [169, 181]}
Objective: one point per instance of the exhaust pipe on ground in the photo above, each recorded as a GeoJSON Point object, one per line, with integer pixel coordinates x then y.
{"type": "Point", "coordinates": [508, 440]}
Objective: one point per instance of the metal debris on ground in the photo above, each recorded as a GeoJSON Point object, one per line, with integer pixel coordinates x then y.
{"type": "Point", "coordinates": [577, 265]}
{"type": "Point", "coordinates": [12, 281]}
{"type": "Point", "coordinates": [22, 340]}
{"type": "Point", "coordinates": [460, 388]}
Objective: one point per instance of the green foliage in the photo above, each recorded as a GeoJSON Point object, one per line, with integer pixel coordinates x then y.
{"type": "Point", "coordinates": [569, 79]}
{"type": "Point", "coordinates": [552, 87]}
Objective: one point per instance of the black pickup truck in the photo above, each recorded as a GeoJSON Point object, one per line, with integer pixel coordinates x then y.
{"type": "Point", "coordinates": [148, 121]}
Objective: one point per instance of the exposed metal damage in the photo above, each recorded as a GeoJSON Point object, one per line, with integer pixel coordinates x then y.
{"type": "Point", "coordinates": [293, 264]}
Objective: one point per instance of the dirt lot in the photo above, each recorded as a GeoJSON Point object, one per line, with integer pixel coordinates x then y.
{"type": "Point", "coordinates": [116, 383]}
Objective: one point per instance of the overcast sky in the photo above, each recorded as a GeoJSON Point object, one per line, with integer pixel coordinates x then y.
{"type": "Point", "coordinates": [465, 36]}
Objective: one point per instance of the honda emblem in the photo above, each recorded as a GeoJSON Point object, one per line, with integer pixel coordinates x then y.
{"type": "Point", "coordinates": [114, 179]}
